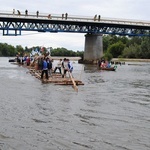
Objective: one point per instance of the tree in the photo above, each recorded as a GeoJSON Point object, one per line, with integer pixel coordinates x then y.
{"type": "Point", "coordinates": [20, 50]}
{"type": "Point", "coordinates": [135, 40]}
{"type": "Point", "coordinates": [106, 42]}
{"type": "Point", "coordinates": [133, 51]}
{"type": "Point", "coordinates": [113, 39]}
{"type": "Point", "coordinates": [116, 49]}
{"type": "Point", "coordinates": [145, 48]}
{"type": "Point", "coordinates": [62, 52]}
{"type": "Point", "coordinates": [108, 56]}
{"type": "Point", "coordinates": [7, 50]}
{"type": "Point", "coordinates": [124, 40]}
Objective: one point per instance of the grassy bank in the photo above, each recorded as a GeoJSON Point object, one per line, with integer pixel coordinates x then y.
{"type": "Point", "coordinates": [114, 59]}
{"type": "Point", "coordinates": [130, 60]}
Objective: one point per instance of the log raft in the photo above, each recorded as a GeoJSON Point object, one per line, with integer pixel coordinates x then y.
{"type": "Point", "coordinates": [56, 78]}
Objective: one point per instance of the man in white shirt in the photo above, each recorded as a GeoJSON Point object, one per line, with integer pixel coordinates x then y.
{"type": "Point", "coordinates": [59, 65]}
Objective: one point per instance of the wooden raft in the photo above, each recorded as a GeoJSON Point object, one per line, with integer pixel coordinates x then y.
{"type": "Point", "coordinates": [56, 78]}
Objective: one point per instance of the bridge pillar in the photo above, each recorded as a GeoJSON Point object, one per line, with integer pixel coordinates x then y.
{"type": "Point", "coordinates": [93, 49]}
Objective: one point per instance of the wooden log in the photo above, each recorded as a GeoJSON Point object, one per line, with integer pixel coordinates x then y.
{"type": "Point", "coordinates": [64, 83]}
{"type": "Point", "coordinates": [57, 79]}
{"type": "Point", "coordinates": [74, 84]}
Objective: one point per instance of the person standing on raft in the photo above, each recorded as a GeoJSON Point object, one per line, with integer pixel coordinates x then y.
{"type": "Point", "coordinates": [44, 69]}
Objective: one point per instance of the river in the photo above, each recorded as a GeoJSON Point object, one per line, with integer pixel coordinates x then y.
{"type": "Point", "coordinates": [111, 111]}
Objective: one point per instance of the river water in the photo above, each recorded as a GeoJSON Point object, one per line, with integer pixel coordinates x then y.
{"type": "Point", "coordinates": [110, 112]}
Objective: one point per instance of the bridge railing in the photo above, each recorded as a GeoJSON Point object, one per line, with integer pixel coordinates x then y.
{"type": "Point", "coordinates": [44, 16]}
{"type": "Point", "coordinates": [126, 21]}
{"type": "Point", "coordinates": [33, 15]}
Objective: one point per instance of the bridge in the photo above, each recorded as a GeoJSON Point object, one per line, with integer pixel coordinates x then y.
{"type": "Point", "coordinates": [12, 23]}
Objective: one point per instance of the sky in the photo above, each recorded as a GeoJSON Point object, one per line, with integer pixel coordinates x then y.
{"type": "Point", "coordinates": [124, 9]}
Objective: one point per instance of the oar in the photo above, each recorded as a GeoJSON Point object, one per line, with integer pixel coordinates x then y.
{"type": "Point", "coordinates": [81, 72]}
{"type": "Point", "coordinates": [74, 83]}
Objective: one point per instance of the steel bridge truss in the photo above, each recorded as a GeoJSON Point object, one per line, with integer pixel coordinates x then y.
{"type": "Point", "coordinates": [14, 26]}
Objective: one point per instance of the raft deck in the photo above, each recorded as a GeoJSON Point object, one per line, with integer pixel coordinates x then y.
{"type": "Point", "coordinates": [56, 78]}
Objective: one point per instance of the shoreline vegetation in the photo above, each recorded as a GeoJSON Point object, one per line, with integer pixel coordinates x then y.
{"type": "Point", "coordinates": [113, 59]}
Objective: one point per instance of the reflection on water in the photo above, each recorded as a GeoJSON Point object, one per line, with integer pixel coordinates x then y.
{"type": "Point", "coordinates": [111, 111]}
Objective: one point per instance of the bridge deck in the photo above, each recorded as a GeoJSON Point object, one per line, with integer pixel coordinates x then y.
{"type": "Point", "coordinates": [45, 16]}
{"type": "Point", "coordinates": [41, 22]}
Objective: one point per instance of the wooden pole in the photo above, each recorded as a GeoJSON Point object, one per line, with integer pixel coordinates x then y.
{"type": "Point", "coordinates": [81, 73]}
{"type": "Point", "coordinates": [74, 83]}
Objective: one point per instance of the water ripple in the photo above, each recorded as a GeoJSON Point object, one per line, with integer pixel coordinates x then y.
{"type": "Point", "coordinates": [111, 111]}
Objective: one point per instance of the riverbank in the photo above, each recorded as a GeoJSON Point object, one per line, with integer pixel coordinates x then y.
{"type": "Point", "coordinates": [130, 60]}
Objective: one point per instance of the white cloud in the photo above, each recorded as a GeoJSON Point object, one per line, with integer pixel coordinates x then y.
{"type": "Point", "coordinates": [127, 9]}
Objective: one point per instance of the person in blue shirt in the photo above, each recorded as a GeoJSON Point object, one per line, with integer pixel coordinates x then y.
{"type": "Point", "coordinates": [44, 69]}
{"type": "Point", "coordinates": [70, 66]}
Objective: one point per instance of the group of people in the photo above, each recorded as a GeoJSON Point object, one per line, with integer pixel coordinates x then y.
{"type": "Point", "coordinates": [104, 64]}
{"type": "Point", "coordinates": [23, 60]}
{"type": "Point", "coordinates": [97, 17]}
{"type": "Point", "coordinates": [46, 66]}
{"type": "Point", "coordinates": [26, 13]}
{"type": "Point", "coordinates": [64, 16]}
{"type": "Point", "coordinates": [63, 66]}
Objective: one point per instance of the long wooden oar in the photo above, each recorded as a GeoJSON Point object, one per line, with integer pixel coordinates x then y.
{"type": "Point", "coordinates": [81, 72]}
{"type": "Point", "coordinates": [74, 83]}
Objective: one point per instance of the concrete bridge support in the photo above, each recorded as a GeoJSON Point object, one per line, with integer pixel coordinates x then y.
{"type": "Point", "coordinates": [93, 49]}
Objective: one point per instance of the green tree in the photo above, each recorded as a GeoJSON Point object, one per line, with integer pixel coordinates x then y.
{"type": "Point", "coordinates": [7, 50]}
{"type": "Point", "coordinates": [124, 40]}
{"type": "Point", "coordinates": [108, 56]}
{"type": "Point", "coordinates": [116, 49]}
{"type": "Point", "coordinates": [20, 50]}
{"type": "Point", "coordinates": [62, 52]}
{"type": "Point", "coordinates": [133, 51]}
{"type": "Point", "coordinates": [113, 39]}
{"type": "Point", "coordinates": [106, 42]}
{"type": "Point", "coordinates": [135, 40]}
{"type": "Point", "coordinates": [145, 48]}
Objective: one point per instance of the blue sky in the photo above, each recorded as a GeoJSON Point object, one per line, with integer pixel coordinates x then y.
{"type": "Point", "coordinates": [125, 9]}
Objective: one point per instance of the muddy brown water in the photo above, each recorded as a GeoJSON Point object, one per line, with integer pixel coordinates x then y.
{"type": "Point", "coordinates": [110, 112]}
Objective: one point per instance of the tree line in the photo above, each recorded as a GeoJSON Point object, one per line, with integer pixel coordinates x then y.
{"type": "Point", "coordinates": [113, 46]}
{"type": "Point", "coordinates": [7, 50]}
{"type": "Point", "coordinates": [126, 47]}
